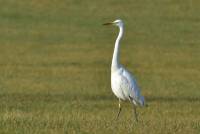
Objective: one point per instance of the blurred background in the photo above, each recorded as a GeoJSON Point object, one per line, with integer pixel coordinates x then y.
{"type": "Point", "coordinates": [55, 59]}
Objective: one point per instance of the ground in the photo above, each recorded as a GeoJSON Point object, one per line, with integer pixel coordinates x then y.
{"type": "Point", "coordinates": [55, 59]}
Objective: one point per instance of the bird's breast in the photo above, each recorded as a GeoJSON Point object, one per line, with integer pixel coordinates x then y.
{"type": "Point", "coordinates": [117, 86]}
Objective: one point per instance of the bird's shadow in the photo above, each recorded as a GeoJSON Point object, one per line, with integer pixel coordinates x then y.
{"type": "Point", "coordinates": [149, 99]}
{"type": "Point", "coordinates": [172, 99]}
{"type": "Point", "coordinates": [92, 97]}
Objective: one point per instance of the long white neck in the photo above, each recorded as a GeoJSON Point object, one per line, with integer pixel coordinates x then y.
{"type": "Point", "coordinates": [115, 59]}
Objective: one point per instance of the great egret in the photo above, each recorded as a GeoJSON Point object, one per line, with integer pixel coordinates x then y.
{"type": "Point", "coordinates": [123, 84]}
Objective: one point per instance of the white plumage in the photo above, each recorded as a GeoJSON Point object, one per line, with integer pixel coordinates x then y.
{"type": "Point", "coordinates": [125, 87]}
{"type": "Point", "coordinates": [123, 84]}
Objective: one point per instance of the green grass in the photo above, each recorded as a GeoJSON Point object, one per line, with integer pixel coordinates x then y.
{"type": "Point", "coordinates": [55, 61]}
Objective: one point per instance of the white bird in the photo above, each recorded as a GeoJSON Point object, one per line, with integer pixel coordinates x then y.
{"type": "Point", "coordinates": [123, 84]}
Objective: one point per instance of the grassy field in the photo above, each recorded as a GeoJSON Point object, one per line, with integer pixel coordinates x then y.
{"type": "Point", "coordinates": [55, 61]}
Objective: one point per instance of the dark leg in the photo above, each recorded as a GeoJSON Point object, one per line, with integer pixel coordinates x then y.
{"type": "Point", "coordinates": [119, 109]}
{"type": "Point", "coordinates": [134, 109]}
{"type": "Point", "coordinates": [135, 113]}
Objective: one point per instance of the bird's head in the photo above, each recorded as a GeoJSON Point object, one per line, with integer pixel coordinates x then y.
{"type": "Point", "coordinates": [117, 22]}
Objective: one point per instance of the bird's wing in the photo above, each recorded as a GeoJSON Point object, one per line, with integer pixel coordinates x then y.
{"type": "Point", "coordinates": [131, 85]}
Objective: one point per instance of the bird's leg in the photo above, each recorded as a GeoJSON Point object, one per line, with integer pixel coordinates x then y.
{"type": "Point", "coordinates": [135, 113]}
{"type": "Point", "coordinates": [119, 109]}
{"type": "Point", "coordinates": [134, 108]}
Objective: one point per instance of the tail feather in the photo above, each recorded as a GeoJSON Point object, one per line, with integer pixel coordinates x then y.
{"type": "Point", "coordinates": [140, 101]}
